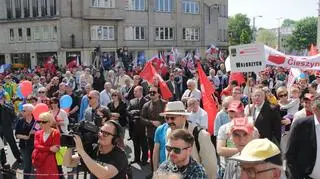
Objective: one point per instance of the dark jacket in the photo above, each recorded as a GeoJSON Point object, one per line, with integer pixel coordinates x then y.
{"type": "Point", "coordinates": [174, 88]}
{"type": "Point", "coordinates": [301, 151]}
{"type": "Point", "coordinates": [121, 109]}
{"type": "Point", "coordinates": [7, 115]}
{"type": "Point", "coordinates": [134, 114]}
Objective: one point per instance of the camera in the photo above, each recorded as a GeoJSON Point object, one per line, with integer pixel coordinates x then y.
{"type": "Point", "coordinates": [87, 130]}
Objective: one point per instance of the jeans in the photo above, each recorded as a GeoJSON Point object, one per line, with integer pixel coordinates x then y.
{"type": "Point", "coordinates": [27, 161]}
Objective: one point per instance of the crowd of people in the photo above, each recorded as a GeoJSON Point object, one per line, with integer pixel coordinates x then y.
{"type": "Point", "coordinates": [263, 129]}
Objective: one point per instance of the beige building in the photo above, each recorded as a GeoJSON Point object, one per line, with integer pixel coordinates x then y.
{"type": "Point", "coordinates": [33, 30]}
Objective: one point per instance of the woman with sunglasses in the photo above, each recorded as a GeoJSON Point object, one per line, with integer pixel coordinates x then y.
{"type": "Point", "coordinates": [119, 107]}
{"type": "Point", "coordinates": [42, 96]}
{"type": "Point", "coordinates": [61, 120]}
{"type": "Point", "coordinates": [46, 144]}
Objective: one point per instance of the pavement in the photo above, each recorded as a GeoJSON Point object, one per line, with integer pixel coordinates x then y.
{"type": "Point", "coordinates": [139, 172]}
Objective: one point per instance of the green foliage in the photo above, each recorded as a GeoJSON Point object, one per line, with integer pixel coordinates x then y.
{"type": "Point", "coordinates": [304, 35]}
{"type": "Point", "coordinates": [239, 29]}
{"type": "Point", "coordinates": [267, 37]}
{"type": "Point", "coordinates": [288, 23]}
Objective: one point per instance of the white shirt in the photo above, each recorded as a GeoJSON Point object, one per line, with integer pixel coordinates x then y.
{"type": "Point", "coordinates": [254, 111]}
{"type": "Point", "coordinates": [316, 169]}
{"type": "Point", "coordinates": [200, 118]}
{"type": "Point", "coordinates": [1, 144]}
{"type": "Point", "coordinates": [194, 94]}
{"type": "Point", "coordinates": [105, 98]}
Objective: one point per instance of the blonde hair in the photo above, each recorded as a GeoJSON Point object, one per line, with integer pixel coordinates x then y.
{"type": "Point", "coordinates": [46, 116]}
{"type": "Point", "coordinates": [281, 90]}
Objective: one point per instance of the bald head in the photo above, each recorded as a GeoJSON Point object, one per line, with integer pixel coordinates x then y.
{"type": "Point", "coordinates": [138, 91]}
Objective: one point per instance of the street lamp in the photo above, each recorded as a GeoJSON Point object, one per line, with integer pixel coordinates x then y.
{"type": "Point", "coordinates": [279, 33]}
{"type": "Point", "coordinates": [254, 27]}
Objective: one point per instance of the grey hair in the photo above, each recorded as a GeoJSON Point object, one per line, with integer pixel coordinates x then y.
{"type": "Point", "coordinates": [191, 81]}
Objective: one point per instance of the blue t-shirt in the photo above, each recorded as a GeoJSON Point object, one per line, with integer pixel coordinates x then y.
{"type": "Point", "coordinates": [160, 138]}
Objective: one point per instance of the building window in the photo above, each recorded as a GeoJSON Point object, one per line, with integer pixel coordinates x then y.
{"type": "Point", "coordinates": [11, 31]}
{"type": "Point", "coordinates": [9, 9]}
{"type": "Point", "coordinates": [26, 6]}
{"type": "Point", "coordinates": [20, 34]}
{"type": "Point", "coordinates": [164, 5]}
{"type": "Point", "coordinates": [191, 7]}
{"type": "Point", "coordinates": [53, 7]}
{"type": "Point", "coordinates": [28, 33]}
{"type": "Point", "coordinates": [37, 33]}
{"type": "Point", "coordinates": [21, 58]}
{"type": "Point", "coordinates": [46, 33]}
{"type": "Point", "coordinates": [44, 7]}
{"type": "Point", "coordinates": [137, 5]}
{"type": "Point", "coordinates": [135, 33]}
{"type": "Point", "coordinates": [103, 3]}
{"type": "Point", "coordinates": [18, 8]}
{"type": "Point", "coordinates": [164, 33]}
{"type": "Point", "coordinates": [35, 6]}
{"type": "Point", "coordinates": [102, 32]}
{"type": "Point", "coordinates": [191, 34]}
{"type": "Point", "coordinates": [55, 33]}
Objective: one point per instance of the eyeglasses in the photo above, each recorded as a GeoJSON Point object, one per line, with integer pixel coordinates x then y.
{"type": "Point", "coordinates": [172, 118]}
{"type": "Point", "coordinates": [252, 173]}
{"type": "Point", "coordinates": [152, 92]}
{"type": "Point", "coordinates": [284, 95]}
{"type": "Point", "coordinates": [105, 133]}
{"type": "Point", "coordinates": [176, 150]}
{"type": "Point", "coordinates": [42, 122]}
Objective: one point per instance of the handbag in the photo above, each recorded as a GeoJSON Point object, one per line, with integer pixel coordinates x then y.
{"type": "Point", "coordinates": [60, 154]}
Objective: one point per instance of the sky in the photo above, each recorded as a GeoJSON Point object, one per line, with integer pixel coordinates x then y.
{"type": "Point", "coordinates": [270, 10]}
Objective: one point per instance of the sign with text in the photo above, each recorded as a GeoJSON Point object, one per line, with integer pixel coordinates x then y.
{"type": "Point", "coordinates": [247, 58]}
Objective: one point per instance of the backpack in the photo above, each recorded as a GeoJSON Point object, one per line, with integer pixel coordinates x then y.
{"type": "Point", "coordinates": [195, 132]}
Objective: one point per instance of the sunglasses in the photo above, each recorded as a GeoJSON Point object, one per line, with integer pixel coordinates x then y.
{"type": "Point", "coordinates": [152, 92]}
{"type": "Point", "coordinates": [114, 95]}
{"type": "Point", "coordinates": [172, 118]}
{"type": "Point", "coordinates": [284, 95]}
{"type": "Point", "coordinates": [105, 133]}
{"type": "Point", "coordinates": [43, 122]}
{"type": "Point", "coordinates": [176, 150]}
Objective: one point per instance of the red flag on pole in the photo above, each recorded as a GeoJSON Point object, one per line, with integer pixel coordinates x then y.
{"type": "Point", "coordinates": [209, 103]}
{"type": "Point", "coordinates": [238, 76]}
{"type": "Point", "coordinates": [148, 73]}
{"type": "Point", "coordinates": [313, 50]}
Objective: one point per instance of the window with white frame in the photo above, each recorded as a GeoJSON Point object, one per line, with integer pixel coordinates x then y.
{"type": "Point", "coordinates": [103, 3]}
{"type": "Point", "coordinates": [20, 35]}
{"type": "Point", "coordinates": [164, 5]}
{"type": "Point", "coordinates": [135, 33]}
{"type": "Point", "coordinates": [37, 33]}
{"type": "Point", "coordinates": [191, 33]}
{"type": "Point", "coordinates": [191, 7]}
{"type": "Point", "coordinates": [102, 32]}
{"type": "Point", "coordinates": [54, 33]}
{"type": "Point", "coordinates": [28, 33]}
{"type": "Point", "coordinates": [164, 33]}
{"type": "Point", "coordinates": [11, 31]}
{"type": "Point", "coordinates": [137, 5]}
{"type": "Point", "coordinates": [46, 33]}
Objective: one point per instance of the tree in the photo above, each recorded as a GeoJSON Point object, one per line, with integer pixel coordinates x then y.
{"type": "Point", "coordinates": [288, 23]}
{"type": "Point", "coordinates": [304, 35]}
{"type": "Point", "coordinates": [245, 38]}
{"type": "Point", "coordinates": [267, 37]}
{"type": "Point", "coordinates": [239, 24]}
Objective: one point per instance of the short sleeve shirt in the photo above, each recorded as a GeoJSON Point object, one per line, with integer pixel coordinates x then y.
{"type": "Point", "coordinates": [160, 138]}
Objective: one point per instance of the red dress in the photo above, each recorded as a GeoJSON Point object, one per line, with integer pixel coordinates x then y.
{"type": "Point", "coordinates": [43, 160]}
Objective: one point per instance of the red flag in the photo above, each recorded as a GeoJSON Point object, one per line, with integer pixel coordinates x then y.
{"type": "Point", "coordinates": [49, 64]}
{"type": "Point", "coordinates": [238, 76]}
{"type": "Point", "coordinates": [209, 104]}
{"type": "Point", "coordinates": [148, 73]}
{"type": "Point", "coordinates": [313, 50]}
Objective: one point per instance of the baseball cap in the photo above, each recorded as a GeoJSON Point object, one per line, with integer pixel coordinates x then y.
{"type": "Point", "coordinates": [259, 151]}
{"type": "Point", "coordinates": [308, 96]}
{"type": "Point", "coordinates": [235, 106]}
{"type": "Point", "coordinates": [242, 123]}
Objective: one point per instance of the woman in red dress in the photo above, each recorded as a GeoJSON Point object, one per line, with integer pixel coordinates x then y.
{"type": "Point", "coordinates": [46, 144]}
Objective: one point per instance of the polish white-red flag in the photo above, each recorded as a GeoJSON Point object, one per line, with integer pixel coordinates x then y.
{"type": "Point", "coordinates": [196, 55]}
{"type": "Point", "coordinates": [172, 56]}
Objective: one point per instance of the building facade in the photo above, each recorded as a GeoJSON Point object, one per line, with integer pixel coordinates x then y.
{"type": "Point", "coordinates": [282, 37]}
{"type": "Point", "coordinates": [33, 30]}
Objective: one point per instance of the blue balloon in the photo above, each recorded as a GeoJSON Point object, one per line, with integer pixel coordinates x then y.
{"type": "Point", "coordinates": [19, 93]}
{"type": "Point", "coordinates": [20, 106]}
{"type": "Point", "coordinates": [65, 101]}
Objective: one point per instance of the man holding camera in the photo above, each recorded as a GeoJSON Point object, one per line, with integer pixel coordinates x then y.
{"type": "Point", "coordinates": [110, 161]}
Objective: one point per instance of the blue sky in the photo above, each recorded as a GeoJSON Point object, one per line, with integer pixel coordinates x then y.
{"type": "Point", "coordinates": [273, 9]}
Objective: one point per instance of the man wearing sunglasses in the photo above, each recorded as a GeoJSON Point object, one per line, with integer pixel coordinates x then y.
{"type": "Point", "coordinates": [203, 151]}
{"type": "Point", "coordinates": [179, 149]}
{"type": "Point", "coordinates": [260, 159]}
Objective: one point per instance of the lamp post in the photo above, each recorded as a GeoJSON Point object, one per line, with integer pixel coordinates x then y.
{"type": "Point", "coordinates": [279, 33]}
{"type": "Point", "coordinates": [254, 27]}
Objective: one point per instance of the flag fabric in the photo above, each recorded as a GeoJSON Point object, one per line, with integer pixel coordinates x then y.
{"type": "Point", "coordinates": [73, 63]}
{"type": "Point", "coordinates": [209, 103]}
{"type": "Point", "coordinates": [221, 56]}
{"type": "Point", "coordinates": [163, 64]}
{"type": "Point", "coordinates": [172, 57]}
{"type": "Point", "coordinates": [313, 50]}
{"type": "Point", "coordinates": [293, 75]}
{"type": "Point", "coordinates": [237, 76]}
{"type": "Point", "coordinates": [190, 63]}
{"type": "Point", "coordinates": [212, 50]}
{"type": "Point", "coordinates": [148, 73]}
{"type": "Point", "coordinates": [196, 55]}
{"type": "Point", "coordinates": [49, 64]}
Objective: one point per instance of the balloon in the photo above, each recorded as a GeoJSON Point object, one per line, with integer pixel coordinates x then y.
{"type": "Point", "coordinates": [19, 93]}
{"type": "Point", "coordinates": [26, 88]}
{"type": "Point", "coordinates": [20, 106]}
{"type": "Point", "coordinates": [65, 101]}
{"type": "Point", "coordinates": [40, 108]}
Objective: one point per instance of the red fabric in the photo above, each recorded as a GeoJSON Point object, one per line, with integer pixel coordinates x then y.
{"type": "Point", "coordinates": [226, 92]}
{"type": "Point", "coordinates": [148, 73]}
{"type": "Point", "coordinates": [309, 113]}
{"type": "Point", "coordinates": [238, 76]}
{"type": "Point", "coordinates": [43, 159]}
{"type": "Point", "coordinates": [49, 65]}
{"type": "Point", "coordinates": [72, 63]}
{"type": "Point", "coordinates": [313, 50]}
{"type": "Point", "coordinates": [209, 104]}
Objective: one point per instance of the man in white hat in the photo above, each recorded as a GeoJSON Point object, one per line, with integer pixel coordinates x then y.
{"type": "Point", "coordinates": [176, 118]}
